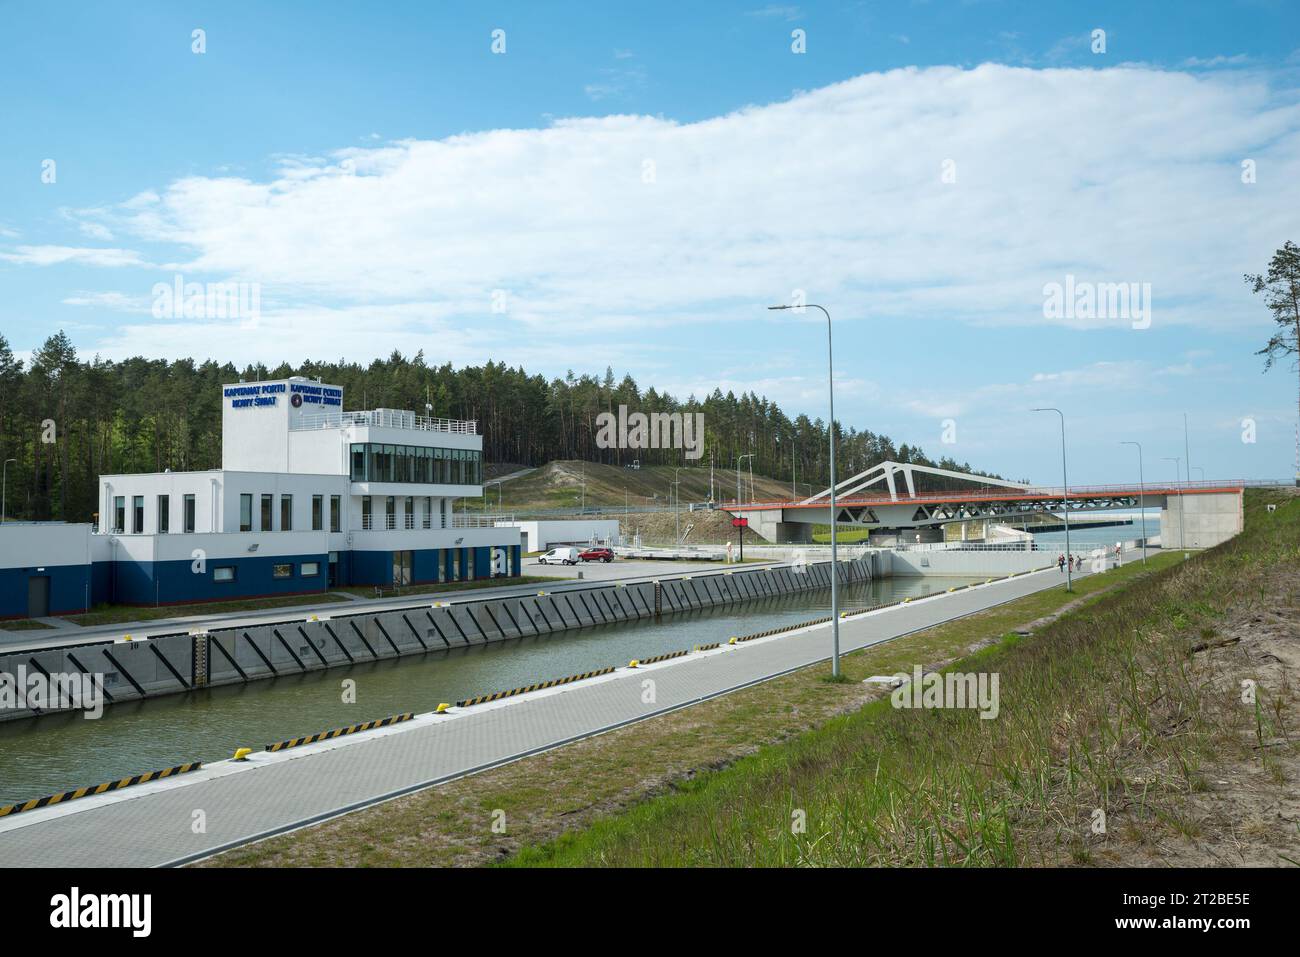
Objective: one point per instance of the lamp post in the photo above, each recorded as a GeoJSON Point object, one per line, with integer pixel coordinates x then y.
{"type": "Point", "coordinates": [835, 568]}
{"type": "Point", "coordinates": [1141, 505]}
{"type": "Point", "coordinates": [1178, 478]}
{"type": "Point", "coordinates": [4, 488]}
{"type": "Point", "coordinates": [1065, 498]}
{"type": "Point", "coordinates": [677, 504]}
{"type": "Point", "coordinates": [739, 459]}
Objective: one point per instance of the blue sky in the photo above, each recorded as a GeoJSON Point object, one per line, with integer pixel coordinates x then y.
{"type": "Point", "coordinates": [630, 186]}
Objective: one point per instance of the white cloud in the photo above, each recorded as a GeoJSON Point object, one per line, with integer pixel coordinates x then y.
{"type": "Point", "coordinates": [56, 255]}
{"type": "Point", "coordinates": [96, 231]}
{"type": "Point", "coordinates": [116, 301]}
{"type": "Point", "coordinates": [776, 10]}
{"type": "Point", "coordinates": [1239, 59]}
{"type": "Point", "coordinates": [1123, 174]}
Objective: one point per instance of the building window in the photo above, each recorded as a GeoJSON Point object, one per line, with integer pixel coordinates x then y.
{"type": "Point", "coordinates": [309, 569]}
{"type": "Point", "coordinates": [375, 462]}
{"type": "Point", "coordinates": [390, 513]}
{"type": "Point", "coordinates": [137, 514]}
{"type": "Point", "coordinates": [367, 519]}
{"type": "Point", "coordinates": [282, 571]}
{"type": "Point", "coordinates": [189, 513]}
{"type": "Point", "coordinates": [428, 512]}
{"type": "Point", "coordinates": [164, 515]}
{"type": "Point", "coordinates": [317, 512]}
{"type": "Point", "coordinates": [223, 573]}
{"type": "Point", "coordinates": [246, 512]}
{"type": "Point", "coordinates": [266, 512]}
{"type": "Point", "coordinates": [336, 513]}
{"type": "Point", "coordinates": [119, 514]}
{"type": "Point", "coordinates": [286, 513]}
{"type": "Point", "coordinates": [410, 513]}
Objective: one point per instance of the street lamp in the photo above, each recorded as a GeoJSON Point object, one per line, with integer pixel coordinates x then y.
{"type": "Point", "coordinates": [1141, 488]}
{"type": "Point", "coordinates": [739, 459]}
{"type": "Point", "coordinates": [677, 504]}
{"type": "Point", "coordinates": [835, 567]}
{"type": "Point", "coordinates": [4, 488]}
{"type": "Point", "coordinates": [1065, 498]}
{"type": "Point", "coordinates": [1178, 478]}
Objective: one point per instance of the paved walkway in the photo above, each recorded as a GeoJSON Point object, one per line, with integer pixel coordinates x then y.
{"type": "Point", "coordinates": [152, 824]}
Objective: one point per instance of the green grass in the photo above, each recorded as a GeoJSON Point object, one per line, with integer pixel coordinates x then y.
{"type": "Point", "coordinates": [23, 624]}
{"type": "Point", "coordinates": [560, 485]}
{"type": "Point", "coordinates": [1103, 708]}
{"type": "Point", "coordinates": [821, 534]}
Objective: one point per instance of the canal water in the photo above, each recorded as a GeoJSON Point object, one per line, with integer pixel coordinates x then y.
{"type": "Point", "coordinates": [55, 753]}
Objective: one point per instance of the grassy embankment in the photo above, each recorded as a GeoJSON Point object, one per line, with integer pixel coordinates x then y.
{"type": "Point", "coordinates": [1132, 704]}
{"type": "Point", "coordinates": [549, 794]}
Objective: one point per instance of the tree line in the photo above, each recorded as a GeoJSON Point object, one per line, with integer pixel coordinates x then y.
{"type": "Point", "coordinates": [66, 421]}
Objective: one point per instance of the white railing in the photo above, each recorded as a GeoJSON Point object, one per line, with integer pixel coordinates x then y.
{"type": "Point", "coordinates": [476, 520]}
{"type": "Point", "coordinates": [384, 418]}
{"type": "Point", "coordinates": [458, 520]}
{"type": "Point", "coordinates": [1018, 546]}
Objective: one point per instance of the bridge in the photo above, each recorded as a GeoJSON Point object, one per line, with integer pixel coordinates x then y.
{"type": "Point", "coordinates": [1192, 514]}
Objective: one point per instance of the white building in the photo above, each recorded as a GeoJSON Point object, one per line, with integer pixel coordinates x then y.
{"type": "Point", "coordinates": [308, 496]}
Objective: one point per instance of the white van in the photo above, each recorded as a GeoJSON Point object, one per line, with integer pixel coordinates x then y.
{"type": "Point", "coordinates": [565, 555]}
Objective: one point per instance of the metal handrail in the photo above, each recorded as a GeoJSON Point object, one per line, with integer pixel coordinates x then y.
{"type": "Point", "coordinates": [384, 418]}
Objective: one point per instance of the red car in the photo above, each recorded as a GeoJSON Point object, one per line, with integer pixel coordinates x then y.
{"type": "Point", "coordinates": [597, 555]}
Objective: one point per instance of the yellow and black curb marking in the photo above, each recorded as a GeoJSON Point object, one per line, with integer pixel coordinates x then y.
{"type": "Point", "coordinates": [808, 624]}
{"type": "Point", "coordinates": [483, 699]}
{"type": "Point", "coordinates": [339, 732]}
{"type": "Point", "coordinates": [665, 657]}
{"type": "Point", "coordinates": [716, 644]}
{"type": "Point", "coordinates": [65, 796]}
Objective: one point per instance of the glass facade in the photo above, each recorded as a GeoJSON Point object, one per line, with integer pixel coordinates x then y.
{"type": "Point", "coordinates": [376, 462]}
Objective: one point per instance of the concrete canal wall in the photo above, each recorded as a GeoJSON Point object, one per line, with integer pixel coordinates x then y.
{"type": "Point", "coordinates": [173, 664]}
